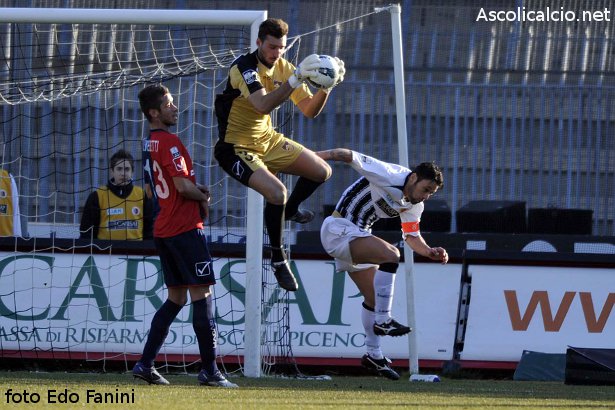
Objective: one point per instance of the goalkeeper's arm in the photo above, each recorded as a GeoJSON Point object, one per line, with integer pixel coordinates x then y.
{"type": "Point", "coordinates": [312, 106]}
{"type": "Point", "coordinates": [264, 102]}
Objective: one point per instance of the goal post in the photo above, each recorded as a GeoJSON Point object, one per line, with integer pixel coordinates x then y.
{"type": "Point", "coordinates": [402, 146]}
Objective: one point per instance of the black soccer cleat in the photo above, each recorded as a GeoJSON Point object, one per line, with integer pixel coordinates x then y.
{"type": "Point", "coordinates": [302, 216]}
{"type": "Point", "coordinates": [215, 380]}
{"type": "Point", "coordinates": [391, 328]}
{"type": "Point", "coordinates": [149, 374]}
{"type": "Point", "coordinates": [284, 276]}
{"type": "Point", "coordinates": [380, 366]}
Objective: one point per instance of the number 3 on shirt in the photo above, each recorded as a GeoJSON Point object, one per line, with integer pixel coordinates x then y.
{"type": "Point", "coordinates": [162, 188]}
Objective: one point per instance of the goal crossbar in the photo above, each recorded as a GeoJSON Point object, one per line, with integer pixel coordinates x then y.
{"type": "Point", "coordinates": [131, 16]}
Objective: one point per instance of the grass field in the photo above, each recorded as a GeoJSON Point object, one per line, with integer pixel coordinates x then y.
{"type": "Point", "coordinates": [342, 392]}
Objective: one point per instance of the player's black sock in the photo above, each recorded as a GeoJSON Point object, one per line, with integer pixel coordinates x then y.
{"type": "Point", "coordinates": [274, 217]}
{"type": "Point", "coordinates": [302, 191]}
{"type": "Point", "coordinates": [205, 329]}
{"type": "Point", "coordinates": [158, 331]}
{"type": "Point", "coordinates": [278, 254]}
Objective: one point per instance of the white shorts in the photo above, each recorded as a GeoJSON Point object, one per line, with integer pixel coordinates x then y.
{"type": "Point", "coordinates": [336, 235]}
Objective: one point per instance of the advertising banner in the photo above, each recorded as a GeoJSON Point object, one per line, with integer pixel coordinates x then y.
{"type": "Point", "coordinates": [543, 309]}
{"type": "Point", "coordinates": [105, 303]}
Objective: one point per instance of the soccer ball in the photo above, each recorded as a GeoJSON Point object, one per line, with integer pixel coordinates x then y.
{"type": "Point", "coordinates": [328, 73]}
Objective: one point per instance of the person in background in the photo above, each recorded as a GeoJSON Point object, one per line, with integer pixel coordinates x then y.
{"type": "Point", "coordinates": [179, 238]}
{"type": "Point", "coordinates": [10, 221]}
{"type": "Point", "coordinates": [118, 210]}
{"type": "Point", "coordinates": [384, 190]}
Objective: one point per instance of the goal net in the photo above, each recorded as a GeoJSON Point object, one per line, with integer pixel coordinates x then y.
{"type": "Point", "coordinates": [69, 102]}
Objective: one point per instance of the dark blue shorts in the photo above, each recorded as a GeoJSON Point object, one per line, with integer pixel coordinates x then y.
{"type": "Point", "coordinates": [185, 259]}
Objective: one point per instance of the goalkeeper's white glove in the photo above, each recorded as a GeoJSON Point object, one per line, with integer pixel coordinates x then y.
{"type": "Point", "coordinates": [341, 72]}
{"type": "Point", "coordinates": [306, 68]}
{"type": "Point", "coordinates": [315, 76]}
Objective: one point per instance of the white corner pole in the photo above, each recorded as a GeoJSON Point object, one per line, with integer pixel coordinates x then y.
{"type": "Point", "coordinates": [402, 143]}
{"type": "Point", "coordinates": [254, 265]}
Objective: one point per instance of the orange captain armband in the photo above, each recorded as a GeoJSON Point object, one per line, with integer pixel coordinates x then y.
{"type": "Point", "coordinates": [410, 227]}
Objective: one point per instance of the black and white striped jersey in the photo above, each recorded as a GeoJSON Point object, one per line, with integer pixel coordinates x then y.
{"type": "Point", "coordinates": [379, 194]}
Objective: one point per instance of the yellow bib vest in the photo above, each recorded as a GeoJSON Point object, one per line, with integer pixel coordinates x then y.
{"type": "Point", "coordinates": [8, 205]}
{"type": "Point", "coordinates": [120, 219]}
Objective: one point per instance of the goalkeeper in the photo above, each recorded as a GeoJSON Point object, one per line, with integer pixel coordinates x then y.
{"type": "Point", "coordinates": [252, 152]}
{"type": "Point", "coordinates": [383, 191]}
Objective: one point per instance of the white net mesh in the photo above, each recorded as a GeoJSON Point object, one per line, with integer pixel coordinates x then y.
{"type": "Point", "coordinates": [51, 61]}
{"type": "Point", "coordinates": [69, 98]}
{"type": "Point", "coordinates": [69, 102]}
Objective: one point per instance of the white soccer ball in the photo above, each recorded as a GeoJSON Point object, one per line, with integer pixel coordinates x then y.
{"type": "Point", "coordinates": [328, 73]}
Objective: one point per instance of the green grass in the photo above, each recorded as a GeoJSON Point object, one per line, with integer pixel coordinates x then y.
{"type": "Point", "coordinates": [342, 392]}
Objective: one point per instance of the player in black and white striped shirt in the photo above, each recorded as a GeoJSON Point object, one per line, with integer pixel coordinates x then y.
{"type": "Point", "coordinates": [384, 190]}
